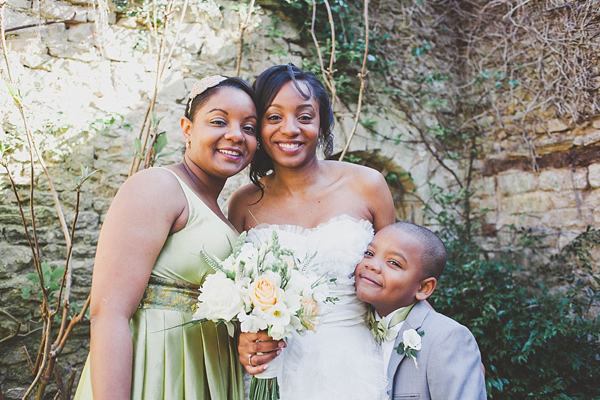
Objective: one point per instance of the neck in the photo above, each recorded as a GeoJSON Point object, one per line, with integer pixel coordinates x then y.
{"type": "Point", "coordinates": [204, 184]}
{"type": "Point", "coordinates": [294, 180]}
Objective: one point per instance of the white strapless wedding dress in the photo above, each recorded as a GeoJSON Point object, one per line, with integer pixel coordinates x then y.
{"type": "Point", "coordinates": [341, 360]}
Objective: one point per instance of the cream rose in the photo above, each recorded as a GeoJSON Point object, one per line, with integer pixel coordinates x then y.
{"type": "Point", "coordinates": [219, 299]}
{"type": "Point", "coordinates": [264, 291]}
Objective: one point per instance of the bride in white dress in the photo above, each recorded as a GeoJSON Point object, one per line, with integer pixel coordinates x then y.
{"type": "Point", "coordinates": [325, 207]}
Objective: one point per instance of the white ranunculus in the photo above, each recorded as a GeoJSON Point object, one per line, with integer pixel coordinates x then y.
{"type": "Point", "coordinates": [320, 292]}
{"type": "Point", "coordinates": [411, 339]}
{"type": "Point", "coordinates": [219, 299]}
{"type": "Point", "coordinates": [229, 264]}
{"type": "Point", "coordinates": [252, 322]}
{"type": "Point", "coordinates": [249, 256]}
{"type": "Point", "coordinates": [299, 284]}
{"type": "Point", "coordinates": [278, 314]}
{"type": "Point", "coordinates": [278, 332]}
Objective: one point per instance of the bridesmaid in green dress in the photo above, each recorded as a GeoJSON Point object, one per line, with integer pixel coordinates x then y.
{"type": "Point", "coordinates": [148, 266]}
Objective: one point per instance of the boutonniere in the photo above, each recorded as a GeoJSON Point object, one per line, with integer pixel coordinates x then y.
{"type": "Point", "coordinates": [410, 345]}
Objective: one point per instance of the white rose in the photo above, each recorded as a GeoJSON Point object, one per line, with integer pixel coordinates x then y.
{"type": "Point", "coordinates": [219, 299]}
{"type": "Point", "coordinates": [412, 339]}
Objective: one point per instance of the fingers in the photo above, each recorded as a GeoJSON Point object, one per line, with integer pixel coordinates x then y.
{"type": "Point", "coordinates": [256, 350]}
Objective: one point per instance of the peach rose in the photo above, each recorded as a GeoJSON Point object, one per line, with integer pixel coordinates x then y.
{"type": "Point", "coordinates": [264, 292]}
{"type": "Point", "coordinates": [310, 313]}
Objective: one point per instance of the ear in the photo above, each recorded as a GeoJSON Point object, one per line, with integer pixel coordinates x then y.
{"type": "Point", "coordinates": [186, 127]}
{"type": "Point", "coordinates": [426, 288]}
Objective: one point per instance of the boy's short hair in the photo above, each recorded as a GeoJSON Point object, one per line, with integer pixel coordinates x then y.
{"type": "Point", "coordinates": [433, 258]}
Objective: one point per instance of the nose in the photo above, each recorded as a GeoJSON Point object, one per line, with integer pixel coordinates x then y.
{"type": "Point", "coordinates": [235, 134]}
{"type": "Point", "coordinates": [290, 126]}
{"type": "Point", "coordinates": [372, 265]}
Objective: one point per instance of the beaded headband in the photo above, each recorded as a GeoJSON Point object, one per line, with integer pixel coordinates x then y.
{"type": "Point", "coordinates": [202, 85]}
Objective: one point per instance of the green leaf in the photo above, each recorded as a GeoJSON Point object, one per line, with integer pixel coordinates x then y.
{"type": "Point", "coordinates": [26, 292]}
{"type": "Point", "coordinates": [137, 144]}
{"type": "Point", "coordinates": [57, 274]}
{"type": "Point", "coordinates": [160, 143]}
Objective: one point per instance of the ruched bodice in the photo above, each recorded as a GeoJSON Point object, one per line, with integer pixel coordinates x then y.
{"type": "Point", "coordinates": [315, 366]}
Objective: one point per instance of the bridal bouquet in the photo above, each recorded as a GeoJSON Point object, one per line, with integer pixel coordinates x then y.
{"type": "Point", "coordinates": [263, 287]}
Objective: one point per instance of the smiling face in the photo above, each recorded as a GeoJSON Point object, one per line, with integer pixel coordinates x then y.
{"type": "Point", "coordinates": [390, 274]}
{"type": "Point", "coordinates": [222, 136]}
{"type": "Point", "coordinates": [290, 127]}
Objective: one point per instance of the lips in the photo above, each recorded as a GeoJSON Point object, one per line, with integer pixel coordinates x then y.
{"type": "Point", "coordinates": [231, 152]}
{"type": "Point", "coordinates": [289, 146]}
{"type": "Point", "coordinates": [368, 280]}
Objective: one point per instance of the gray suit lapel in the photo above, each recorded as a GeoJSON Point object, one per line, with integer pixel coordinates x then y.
{"type": "Point", "coordinates": [413, 321]}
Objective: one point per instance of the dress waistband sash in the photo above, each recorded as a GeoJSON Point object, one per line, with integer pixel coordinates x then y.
{"type": "Point", "coordinates": [170, 294]}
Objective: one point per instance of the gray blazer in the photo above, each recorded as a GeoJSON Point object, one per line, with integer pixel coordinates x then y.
{"type": "Point", "coordinates": [449, 361]}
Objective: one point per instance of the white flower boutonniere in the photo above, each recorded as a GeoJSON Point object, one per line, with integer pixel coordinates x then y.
{"type": "Point", "coordinates": [410, 345]}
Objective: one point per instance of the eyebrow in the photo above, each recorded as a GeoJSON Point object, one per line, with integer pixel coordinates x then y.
{"type": "Point", "coordinates": [399, 255]}
{"type": "Point", "coordinates": [226, 113]}
{"type": "Point", "coordinates": [219, 109]}
{"type": "Point", "coordinates": [300, 107]}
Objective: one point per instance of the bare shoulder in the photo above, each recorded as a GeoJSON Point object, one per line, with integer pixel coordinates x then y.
{"type": "Point", "coordinates": [150, 188]}
{"type": "Point", "coordinates": [240, 202]}
{"type": "Point", "coordinates": [370, 185]}
{"type": "Point", "coordinates": [359, 176]}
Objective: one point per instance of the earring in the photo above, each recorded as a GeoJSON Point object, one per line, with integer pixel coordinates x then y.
{"type": "Point", "coordinates": [187, 144]}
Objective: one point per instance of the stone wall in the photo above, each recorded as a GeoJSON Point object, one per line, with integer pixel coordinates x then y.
{"type": "Point", "coordinates": [89, 89]}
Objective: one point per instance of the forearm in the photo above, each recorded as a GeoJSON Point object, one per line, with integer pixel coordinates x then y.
{"type": "Point", "coordinates": [111, 357]}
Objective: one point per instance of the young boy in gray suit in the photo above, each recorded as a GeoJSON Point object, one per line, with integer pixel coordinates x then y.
{"type": "Point", "coordinates": [426, 354]}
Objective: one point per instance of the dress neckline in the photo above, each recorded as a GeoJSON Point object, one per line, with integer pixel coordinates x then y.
{"type": "Point", "coordinates": [185, 186]}
{"type": "Point", "coordinates": [302, 230]}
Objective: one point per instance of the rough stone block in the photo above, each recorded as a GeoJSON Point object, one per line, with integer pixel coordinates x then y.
{"type": "Point", "coordinates": [219, 50]}
{"type": "Point", "coordinates": [118, 43]}
{"type": "Point", "coordinates": [76, 51]}
{"type": "Point", "coordinates": [14, 19]}
{"type": "Point", "coordinates": [531, 202]}
{"type": "Point", "coordinates": [564, 218]}
{"type": "Point", "coordinates": [127, 22]}
{"type": "Point", "coordinates": [596, 215]}
{"type": "Point", "coordinates": [596, 123]}
{"type": "Point", "coordinates": [517, 182]}
{"type": "Point", "coordinates": [556, 125]}
{"type": "Point", "coordinates": [563, 199]}
{"type": "Point", "coordinates": [83, 33]}
{"type": "Point", "coordinates": [52, 9]}
{"type": "Point", "coordinates": [587, 138]}
{"type": "Point", "coordinates": [555, 179]}
{"type": "Point", "coordinates": [594, 175]}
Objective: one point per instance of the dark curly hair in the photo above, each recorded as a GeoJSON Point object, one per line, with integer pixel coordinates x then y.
{"type": "Point", "coordinates": [267, 86]}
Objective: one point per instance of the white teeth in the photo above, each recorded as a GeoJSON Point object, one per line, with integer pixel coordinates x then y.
{"type": "Point", "coordinates": [230, 152]}
{"type": "Point", "coordinates": [289, 145]}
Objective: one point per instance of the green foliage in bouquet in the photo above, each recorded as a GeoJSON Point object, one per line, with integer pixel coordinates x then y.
{"type": "Point", "coordinates": [534, 344]}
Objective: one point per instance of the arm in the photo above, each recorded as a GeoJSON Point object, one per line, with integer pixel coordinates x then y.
{"type": "Point", "coordinates": [379, 198]}
{"type": "Point", "coordinates": [134, 231]}
{"type": "Point", "coordinates": [454, 367]}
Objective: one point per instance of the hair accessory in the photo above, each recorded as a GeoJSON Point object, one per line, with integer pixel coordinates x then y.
{"type": "Point", "coordinates": [202, 85]}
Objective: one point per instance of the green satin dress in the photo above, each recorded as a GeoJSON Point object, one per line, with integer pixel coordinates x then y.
{"type": "Point", "coordinates": [194, 361]}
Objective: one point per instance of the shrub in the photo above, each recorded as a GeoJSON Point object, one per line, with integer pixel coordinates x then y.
{"type": "Point", "coordinates": [533, 344]}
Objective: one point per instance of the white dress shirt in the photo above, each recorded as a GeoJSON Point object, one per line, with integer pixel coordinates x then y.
{"type": "Point", "coordinates": [388, 346]}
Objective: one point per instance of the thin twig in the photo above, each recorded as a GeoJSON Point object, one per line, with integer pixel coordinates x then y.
{"type": "Point", "coordinates": [361, 75]}
{"type": "Point", "coordinates": [243, 27]}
